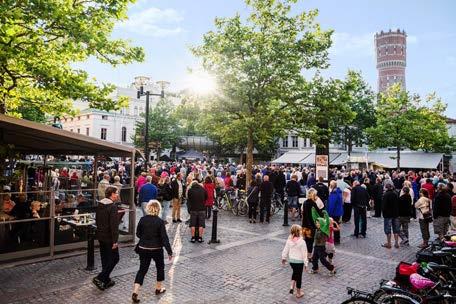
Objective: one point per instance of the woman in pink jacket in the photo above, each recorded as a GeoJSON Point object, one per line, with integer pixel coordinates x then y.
{"type": "Point", "coordinates": [210, 190]}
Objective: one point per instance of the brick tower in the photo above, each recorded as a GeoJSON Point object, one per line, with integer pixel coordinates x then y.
{"type": "Point", "coordinates": [390, 48]}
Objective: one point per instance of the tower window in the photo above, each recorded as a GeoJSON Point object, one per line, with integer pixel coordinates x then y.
{"type": "Point", "coordinates": [124, 134]}
{"type": "Point", "coordinates": [104, 134]}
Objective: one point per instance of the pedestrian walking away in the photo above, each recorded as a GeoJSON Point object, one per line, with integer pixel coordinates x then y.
{"type": "Point", "coordinates": [266, 189]}
{"type": "Point", "coordinates": [152, 236]}
{"type": "Point", "coordinates": [295, 252]}
{"type": "Point", "coordinates": [196, 198]}
{"type": "Point", "coordinates": [107, 222]}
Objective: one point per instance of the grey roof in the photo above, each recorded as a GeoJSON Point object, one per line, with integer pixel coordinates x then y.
{"type": "Point", "coordinates": [35, 138]}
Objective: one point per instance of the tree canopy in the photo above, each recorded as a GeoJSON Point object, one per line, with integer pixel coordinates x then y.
{"type": "Point", "coordinates": [39, 42]}
{"type": "Point", "coordinates": [406, 121]}
{"type": "Point", "coordinates": [257, 62]}
{"type": "Point", "coordinates": [163, 127]}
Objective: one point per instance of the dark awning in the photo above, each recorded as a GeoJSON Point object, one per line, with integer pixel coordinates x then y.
{"type": "Point", "coordinates": [34, 138]}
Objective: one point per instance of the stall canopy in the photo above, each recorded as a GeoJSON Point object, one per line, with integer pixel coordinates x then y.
{"type": "Point", "coordinates": [191, 155]}
{"type": "Point", "coordinates": [291, 157]}
{"type": "Point", "coordinates": [35, 138]}
{"type": "Point", "coordinates": [385, 159]}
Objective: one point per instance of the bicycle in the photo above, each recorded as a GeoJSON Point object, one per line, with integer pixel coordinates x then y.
{"type": "Point", "coordinates": [228, 201]}
{"type": "Point", "coordinates": [359, 297]}
{"type": "Point", "coordinates": [242, 205]}
{"type": "Point", "coordinates": [276, 203]}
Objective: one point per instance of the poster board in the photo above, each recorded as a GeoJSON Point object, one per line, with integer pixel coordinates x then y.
{"type": "Point", "coordinates": [322, 166]}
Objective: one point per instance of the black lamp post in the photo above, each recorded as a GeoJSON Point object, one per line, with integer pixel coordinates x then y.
{"type": "Point", "coordinates": [140, 82]}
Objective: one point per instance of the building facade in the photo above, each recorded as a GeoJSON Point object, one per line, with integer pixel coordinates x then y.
{"type": "Point", "coordinates": [114, 126]}
{"type": "Point", "coordinates": [391, 53]}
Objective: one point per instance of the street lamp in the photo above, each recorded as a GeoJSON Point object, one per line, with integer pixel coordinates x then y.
{"type": "Point", "coordinates": [140, 82]}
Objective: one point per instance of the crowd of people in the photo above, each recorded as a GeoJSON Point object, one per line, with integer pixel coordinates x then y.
{"type": "Point", "coordinates": [320, 207]}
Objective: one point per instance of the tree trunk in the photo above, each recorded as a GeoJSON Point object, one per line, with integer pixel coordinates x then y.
{"type": "Point", "coordinates": [249, 157]}
{"type": "Point", "coordinates": [158, 154]}
{"type": "Point", "coordinates": [398, 157]}
{"type": "Point", "coordinates": [241, 158]}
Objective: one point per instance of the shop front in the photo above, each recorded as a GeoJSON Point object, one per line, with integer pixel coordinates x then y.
{"type": "Point", "coordinates": [47, 206]}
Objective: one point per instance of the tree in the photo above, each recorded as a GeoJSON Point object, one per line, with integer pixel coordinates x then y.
{"type": "Point", "coordinates": [405, 121]}
{"type": "Point", "coordinates": [257, 62]}
{"type": "Point", "coordinates": [361, 102]}
{"type": "Point", "coordinates": [321, 106]}
{"type": "Point", "coordinates": [39, 42]}
{"type": "Point", "coordinates": [163, 128]}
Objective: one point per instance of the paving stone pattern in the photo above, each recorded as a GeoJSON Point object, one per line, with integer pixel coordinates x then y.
{"type": "Point", "coordinates": [244, 268]}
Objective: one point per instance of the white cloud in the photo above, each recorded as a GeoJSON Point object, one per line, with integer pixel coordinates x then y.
{"type": "Point", "coordinates": [153, 22]}
{"type": "Point", "coordinates": [355, 45]}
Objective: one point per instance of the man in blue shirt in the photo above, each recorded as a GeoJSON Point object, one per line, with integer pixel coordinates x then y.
{"type": "Point", "coordinates": [147, 192]}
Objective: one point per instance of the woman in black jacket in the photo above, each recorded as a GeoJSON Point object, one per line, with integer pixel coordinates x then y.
{"type": "Point", "coordinates": [252, 199]}
{"type": "Point", "coordinates": [152, 238]}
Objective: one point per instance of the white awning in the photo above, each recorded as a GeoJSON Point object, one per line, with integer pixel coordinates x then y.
{"type": "Point", "coordinates": [291, 158]}
{"type": "Point", "coordinates": [409, 159]}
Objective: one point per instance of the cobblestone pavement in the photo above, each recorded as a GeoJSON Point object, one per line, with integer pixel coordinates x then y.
{"type": "Point", "coordinates": [244, 268]}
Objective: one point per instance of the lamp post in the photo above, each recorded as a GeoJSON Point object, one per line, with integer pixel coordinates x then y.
{"type": "Point", "coordinates": [140, 82]}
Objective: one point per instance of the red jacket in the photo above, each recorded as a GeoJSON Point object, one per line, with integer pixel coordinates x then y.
{"type": "Point", "coordinates": [430, 189]}
{"type": "Point", "coordinates": [210, 194]}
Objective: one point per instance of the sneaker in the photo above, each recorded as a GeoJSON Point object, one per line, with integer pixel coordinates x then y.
{"type": "Point", "coordinates": [179, 221]}
{"type": "Point", "coordinates": [110, 283]}
{"type": "Point", "coordinates": [174, 221]}
{"type": "Point", "coordinates": [99, 284]}
{"type": "Point", "coordinates": [354, 235]}
{"type": "Point", "coordinates": [200, 239]}
{"type": "Point", "coordinates": [134, 298]}
{"type": "Point", "coordinates": [291, 291]}
{"type": "Point", "coordinates": [193, 239]}
{"type": "Point", "coordinates": [332, 272]}
{"type": "Point", "coordinates": [313, 271]}
{"type": "Point", "coordinates": [363, 236]}
{"type": "Point", "coordinates": [330, 260]}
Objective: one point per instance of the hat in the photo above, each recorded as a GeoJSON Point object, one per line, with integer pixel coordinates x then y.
{"type": "Point", "coordinates": [164, 174]}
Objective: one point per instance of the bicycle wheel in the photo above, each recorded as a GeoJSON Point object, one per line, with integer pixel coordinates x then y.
{"type": "Point", "coordinates": [380, 295]}
{"type": "Point", "coordinates": [359, 300]}
{"type": "Point", "coordinates": [398, 299]}
{"type": "Point", "coordinates": [273, 209]}
{"type": "Point", "coordinates": [242, 207]}
{"type": "Point", "coordinates": [234, 206]}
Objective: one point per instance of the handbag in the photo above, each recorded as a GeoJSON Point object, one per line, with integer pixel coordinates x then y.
{"type": "Point", "coordinates": [427, 217]}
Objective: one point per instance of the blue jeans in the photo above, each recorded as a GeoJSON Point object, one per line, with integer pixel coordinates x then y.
{"type": "Point", "coordinates": [165, 209]}
{"type": "Point", "coordinates": [360, 220]}
{"type": "Point", "coordinates": [293, 202]}
{"type": "Point", "coordinates": [391, 223]}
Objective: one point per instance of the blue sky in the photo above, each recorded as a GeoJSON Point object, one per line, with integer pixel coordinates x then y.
{"type": "Point", "coordinates": [165, 29]}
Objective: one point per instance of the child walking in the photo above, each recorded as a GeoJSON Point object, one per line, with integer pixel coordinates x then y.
{"type": "Point", "coordinates": [330, 247]}
{"type": "Point", "coordinates": [296, 252]}
{"type": "Point", "coordinates": [321, 236]}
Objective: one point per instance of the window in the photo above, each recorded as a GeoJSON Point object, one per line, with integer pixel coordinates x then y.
{"type": "Point", "coordinates": [104, 132]}
{"type": "Point", "coordinates": [310, 143]}
{"type": "Point", "coordinates": [294, 141]}
{"type": "Point", "coordinates": [285, 142]}
{"type": "Point", "coordinates": [79, 131]}
{"type": "Point", "coordinates": [104, 117]}
{"type": "Point", "coordinates": [124, 134]}
{"type": "Point", "coordinates": [71, 130]}
{"type": "Point", "coordinates": [88, 116]}
{"type": "Point", "coordinates": [305, 142]}
{"type": "Point", "coordinates": [87, 131]}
